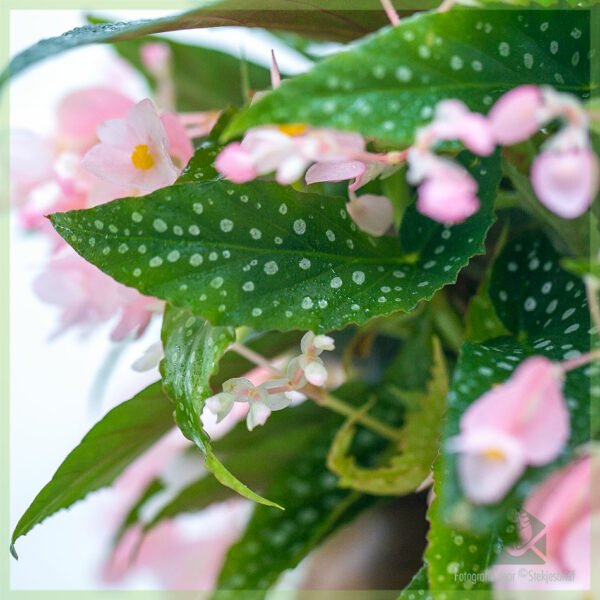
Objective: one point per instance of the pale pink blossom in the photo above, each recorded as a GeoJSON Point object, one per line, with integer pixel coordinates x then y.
{"type": "Point", "coordinates": [454, 121]}
{"type": "Point", "coordinates": [181, 554]}
{"type": "Point", "coordinates": [373, 214]}
{"type": "Point", "coordinates": [134, 151]}
{"type": "Point", "coordinates": [448, 193]}
{"type": "Point", "coordinates": [87, 296]}
{"type": "Point", "coordinates": [565, 182]}
{"type": "Point", "coordinates": [287, 150]}
{"type": "Point", "coordinates": [568, 504]}
{"type": "Point", "coordinates": [517, 114]}
{"type": "Point", "coordinates": [181, 148]}
{"type": "Point", "coordinates": [507, 428]}
{"type": "Point", "coordinates": [155, 56]}
{"type": "Point", "coordinates": [261, 399]}
{"type": "Point", "coordinates": [81, 112]}
{"type": "Point", "coordinates": [236, 164]}
{"type": "Point", "coordinates": [309, 364]}
{"type": "Point", "coordinates": [31, 164]}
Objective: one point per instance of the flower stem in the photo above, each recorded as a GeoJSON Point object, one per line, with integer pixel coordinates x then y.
{"type": "Point", "coordinates": [390, 11]}
{"type": "Point", "coordinates": [580, 361]}
{"type": "Point", "coordinates": [255, 358]}
{"type": "Point", "coordinates": [591, 287]}
{"type": "Point", "coordinates": [322, 398]}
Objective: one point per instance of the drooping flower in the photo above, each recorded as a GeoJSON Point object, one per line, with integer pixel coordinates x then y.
{"type": "Point", "coordinates": [309, 365]}
{"type": "Point", "coordinates": [262, 399]}
{"type": "Point", "coordinates": [517, 114]}
{"type": "Point", "coordinates": [508, 428]}
{"type": "Point", "coordinates": [133, 152]}
{"type": "Point", "coordinates": [86, 297]}
{"type": "Point", "coordinates": [565, 182]}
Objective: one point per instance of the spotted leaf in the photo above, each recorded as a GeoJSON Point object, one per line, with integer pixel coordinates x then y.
{"type": "Point", "coordinates": [389, 84]}
{"type": "Point", "coordinates": [546, 310]}
{"type": "Point", "coordinates": [269, 257]}
{"type": "Point", "coordinates": [193, 349]}
{"type": "Point", "coordinates": [315, 506]}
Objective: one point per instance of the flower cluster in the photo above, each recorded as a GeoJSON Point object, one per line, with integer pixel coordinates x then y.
{"type": "Point", "coordinates": [565, 174]}
{"type": "Point", "coordinates": [507, 428]}
{"type": "Point", "coordinates": [274, 394]}
{"type": "Point", "coordinates": [105, 146]}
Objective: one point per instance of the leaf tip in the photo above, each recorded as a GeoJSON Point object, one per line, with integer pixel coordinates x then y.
{"type": "Point", "coordinates": [14, 552]}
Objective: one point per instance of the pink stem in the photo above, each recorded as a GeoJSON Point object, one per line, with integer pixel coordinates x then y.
{"type": "Point", "coordinates": [390, 11]}
{"type": "Point", "coordinates": [580, 361]}
{"type": "Point", "coordinates": [275, 75]}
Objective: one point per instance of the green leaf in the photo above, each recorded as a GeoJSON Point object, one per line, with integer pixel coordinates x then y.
{"type": "Point", "coordinates": [546, 309]}
{"type": "Point", "coordinates": [481, 321]}
{"type": "Point", "coordinates": [404, 472]}
{"type": "Point", "coordinates": [193, 349]}
{"type": "Point", "coordinates": [387, 85]}
{"type": "Point", "coordinates": [203, 78]}
{"type": "Point", "coordinates": [582, 267]}
{"type": "Point", "coordinates": [417, 587]}
{"type": "Point", "coordinates": [192, 352]}
{"type": "Point", "coordinates": [269, 257]}
{"type": "Point", "coordinates": [247, 454]}
{"type": "Point", "coordinates": [107, 449]}
{"type": "Point", "coordinates": [330, 20]}
{"type": "Point", "coordinates": [315, 506]}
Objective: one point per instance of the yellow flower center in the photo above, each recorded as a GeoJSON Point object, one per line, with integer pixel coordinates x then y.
{"type": "Point", "coordinates": [494, 454]}
{"type": "Point", "coordinates": [141, 158]}
{"type": "Point", "coordinates": [292, 129]}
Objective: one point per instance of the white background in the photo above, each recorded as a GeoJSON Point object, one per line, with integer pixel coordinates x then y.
{"type": "Point", "coordinates": [52, 399]}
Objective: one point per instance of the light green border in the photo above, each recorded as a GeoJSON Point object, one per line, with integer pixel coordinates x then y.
{"type": "Point", "coordinates": [5, 593]}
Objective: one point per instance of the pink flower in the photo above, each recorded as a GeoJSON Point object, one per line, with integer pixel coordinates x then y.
{"type": "Point", "coordinates": [448, 194]}
{"type": "Point", "coordinates": [564, 503]}
{"type": "Point", "coordinates": [515, 116]}
{"type": "Point", "coordinates": [236, 164]}
{"type": "Point", "coordinates": [155, 56]}
{"type": "Point", "coordinates": [373, 214]}
{"type": "Point", "coordinates": [134, 151]}
{"type": "Point", "coordinates": [80, 113]}
{"type": "Point", "coordinates": [454, 121]}
{"type": "Point", "coordinates": [182, 554]}
{"type": "Point", "coordinates": [86, 297]}
{"type": "Point", "coordinates": [287, 150]}
{"type": "Point", "coordinates": [508, 428]}
{"type": "Point", "coordinates": [565, 181]}
{"type": "Point", "coordinates": [567, 503]}
{"type": "Point", "coordinates": [31, 164]}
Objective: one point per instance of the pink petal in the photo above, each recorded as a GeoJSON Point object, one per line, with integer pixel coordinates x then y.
{"type": "Point", "coordinates": [448, 196]}
{"type": "Point", "coordinates": [526, 407]}
{"type": "Point", "coordinates": [335, 171]}
{"type": "Point", "coordinates": [31, 163]}
{"type": "Point", "coordinates": [454, 121]}
{"type": "Point", "coordinates": [565, 182]}
{"type": "Point", "coordinates": [235, 163]}
{"type": "Point", "coordinates": [180, 145]}
{"type": "Point", "coordinates": [80, 113]}
{"type": "Point", "coordinates": [563, 499]}
{"type": "Point", "coordinates": [373, 214]}
{"type": "Point", "coordinates": [515, 115]}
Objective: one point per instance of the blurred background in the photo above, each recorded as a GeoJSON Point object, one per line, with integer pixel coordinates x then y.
{"type": "Point", "coordinates": [59, 387]}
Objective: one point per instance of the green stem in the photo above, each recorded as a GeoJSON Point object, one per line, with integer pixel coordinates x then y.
{"type": "Point", "coordinates": [447, 323]}
{"type": "Point", "coordinates": [322, 398]}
